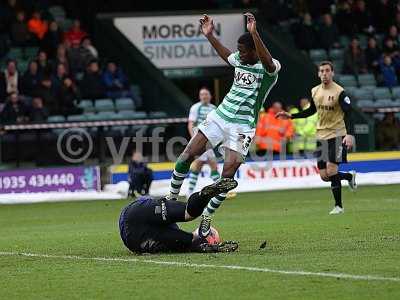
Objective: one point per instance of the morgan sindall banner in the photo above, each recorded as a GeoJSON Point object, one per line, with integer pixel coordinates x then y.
{"type": "Point", "coordinates": [177, 42]}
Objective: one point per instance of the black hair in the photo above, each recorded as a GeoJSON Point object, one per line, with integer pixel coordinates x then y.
{"type": "Point", "coordinates": [247, 40]}
{"type": "Point", "coordinates": [205, 88]}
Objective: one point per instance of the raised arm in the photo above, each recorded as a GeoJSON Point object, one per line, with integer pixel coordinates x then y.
{"type": "Point", "coordinates": [207, 28]}
{"type": "Point", "coordinates": [262, 51]}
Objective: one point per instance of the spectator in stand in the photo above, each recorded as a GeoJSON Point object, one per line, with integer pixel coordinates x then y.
{"type": "Point", "coordinates": [31, 79]}
{"type": "Point", "coordinates": [66, 96]}
{"type": "Point", "coordinates": [75, 34]}
{"type": "Point", "coordinates": [45, 92]}
{"type": "Point", "coordinates": [362, 18]}
{"type": "Point", "coordinates": [57, 79]}
{"type": "Point", "coordinates": [388, 133]}
{"type": "Point", "coordinates": [75, 58]}
{"type": "Point", "coordinates": [305, 34]}
{"type": "Point", "coordinates": [272, 133]}
{"type": "Point", "coordinates": [388, 70]}
{"type": "Point", "coordinates": [344, 19]}
{"type": "Point", "coordinates": [92, 86]}
{"type": "Point", "coordinates": [139, 175]}
{"type": "Point", "coordinates": [89, 52]}
{"type": "Point", "coordinates": [20, 35]}
{"type": "Point", "coordinates": [15, 111]}
{"type": "Point", "coordinates": [51, 40]}
{"type": "Point", "coordinates": [37, 26]}
{"type": "Point", "coordinates": [38, 113]}
{"type": "Point", "coordinates": [372, 55]}
{"type": "Point", "coordinates": [45, 67]}
{"type": "Point", "coordinates": [390, 48]}
{"type": "Point", "coordinates": [383, 13]}
{"type": "Point", "coordinates": [328, 33]}
{"type": "Point", "coordinates": [394, 35]}
{"type": "Point", "coordinates": [9, 80]}
{"type": "Point", "coordinates": [61, 56]}
{"type": "Point", "coordinates": [354, 59]}
{"type": "Point", "coordinates": [115, 81]}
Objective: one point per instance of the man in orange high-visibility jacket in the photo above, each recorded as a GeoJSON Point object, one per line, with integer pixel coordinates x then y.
{"type": "Point", "coordinates": [272, 133]}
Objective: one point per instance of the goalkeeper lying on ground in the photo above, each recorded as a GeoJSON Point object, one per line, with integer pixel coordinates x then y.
{"type": "Point", "coordinates": [148, 225]}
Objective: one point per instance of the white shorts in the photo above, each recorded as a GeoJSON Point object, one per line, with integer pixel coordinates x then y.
{"type": "Point", "coordinates": [237, 137]}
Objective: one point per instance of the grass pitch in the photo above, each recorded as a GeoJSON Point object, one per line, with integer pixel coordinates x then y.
{"type": "Point", "coordinates": [300, 236]}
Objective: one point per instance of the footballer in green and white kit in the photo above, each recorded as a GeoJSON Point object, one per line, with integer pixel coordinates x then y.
{"type": "Point", "coordinates": [231, 127]}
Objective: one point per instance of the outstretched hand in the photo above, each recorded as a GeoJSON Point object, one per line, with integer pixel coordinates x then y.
{"type": "Point", "coordinates": [251, 23]}
{"type": "Point", "coordinates": [207, 25]}
{"type": "Point", "coordinates": [283, 115]}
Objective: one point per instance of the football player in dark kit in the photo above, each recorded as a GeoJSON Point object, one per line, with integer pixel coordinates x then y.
{"type": "Point", "coordinates": [148, 225]}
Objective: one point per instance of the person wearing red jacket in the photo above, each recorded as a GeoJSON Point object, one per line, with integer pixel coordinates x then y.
{"type": "Point", "coordinates": [75, 34]}
{"type": "Point", "coordinates": [272, 133]}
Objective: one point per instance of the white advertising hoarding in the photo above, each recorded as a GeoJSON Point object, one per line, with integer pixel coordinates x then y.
{"type": "Point", "coordinates": [177, 42]}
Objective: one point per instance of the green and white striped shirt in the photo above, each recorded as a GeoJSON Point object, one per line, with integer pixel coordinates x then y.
{"type": "Point", "coordinates": [250, 88]}
{"type": "Point", "coordinates": [199, 111]}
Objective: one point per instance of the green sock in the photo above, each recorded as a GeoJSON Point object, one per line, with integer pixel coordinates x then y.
{"type": "Point", "coordinates": [193, 176]}
{"type": "Point", "coordinates": [178, 176]}
{"type": "Point", "coordinates": [214, 175]}
{"type": "Point", "coordinates": [214, 204]}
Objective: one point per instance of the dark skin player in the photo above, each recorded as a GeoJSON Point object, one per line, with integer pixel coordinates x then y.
{"type": "Point", "coordinates": [198, 144]}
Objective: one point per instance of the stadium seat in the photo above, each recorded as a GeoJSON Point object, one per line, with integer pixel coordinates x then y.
{"type": "Point", "coordinates": [127, 114]}
{"type": "Point", "coordinates": [15, 53]}
{"type": "Point", "coordinates": [336, 54]}
{"type": "Point", "coordinates": [365, 103]}
{"type": "Point", "coordinates": [104, 105]}
{"type": "Point", "coordinates": [396, 103]}
{"type": "Point", "coordinates": [344, 40]}
{"type": "Point", "coordinates": [86, 105]}
{"type": "Point", "coordinates": [338, 66]}
{"type": "Point", "coordinates": [347, 80]}
{"type": "Point", "coordinates": [364, 94]}
{"type": "Point", "coordinates": [396, 92]}
{"type": "Point", "coordinates": [77, 118]}
{"type": "Point", "coordinates": [108, 115]}
{"type": "Point", "coordinates": [94, 117]}
{"type": "Point", "coordinates": [55, 119]}
{"type": "Point", "coordinates": [384, 103]}
{"type": "Point", "coordinates": [366, 79]}
{"type": "Point", "coordinates": [363, 39]}
{"type": "Point", "coordinates": [382, 93]}
{"type": "Point", "coordinates": [158, 114]}
{"type": "Point", "coordinates": [139, 115]}
{"type": "Point", "coordinates": [318, 54]}
{"type": "Point", "coordinates": [124, 104]}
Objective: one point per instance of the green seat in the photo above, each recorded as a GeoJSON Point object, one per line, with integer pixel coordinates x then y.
{"type": "Point", "coordinates": [365, 103]}
{"type": "Point", "coordinates": [363, 94]}
{"type": "Point", "coordinates": [336, 54]}
{"type": "Point", "coordinates": [367, 79]}
{"type": "Point", "coordinates": [318, 54]}
{"type": "Point", "coordinates": [104, 105]}
{"type": "Point", "coordinates": [382, 93]}
{"type": "Point", "coordinates": [124, 104]}
{"type": "Point", "coordinates": [56, 119]}
{"type": "Point", "coordinates": [77, 118]}
{"type": "Point", "coordinates": [347, 80]}
{"type": "Point", "coordinates": [139, 115]}
{"type": "Point", "coordinates": [158, 114]}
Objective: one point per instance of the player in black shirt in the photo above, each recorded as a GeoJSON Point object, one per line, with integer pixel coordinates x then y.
{"type": "Point", "coordinates": [148, 225]}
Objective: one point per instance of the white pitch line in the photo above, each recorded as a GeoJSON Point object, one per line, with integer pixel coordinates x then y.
{"type": "Point", "coordinates": [209, 266]}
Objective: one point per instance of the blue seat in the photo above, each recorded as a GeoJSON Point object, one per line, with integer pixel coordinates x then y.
{"type": "Point", "coordinates": [140, 115]}
{"type": "Point", "coordinates": [86, 105]}
{"type": "Point", "coordinates": [127, 114]}
{"type": "Point", "coordinates": [396, 92]}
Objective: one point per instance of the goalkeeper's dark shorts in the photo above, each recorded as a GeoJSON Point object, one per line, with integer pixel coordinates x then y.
{"type": "Point", "coordinates": [149, 225]}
